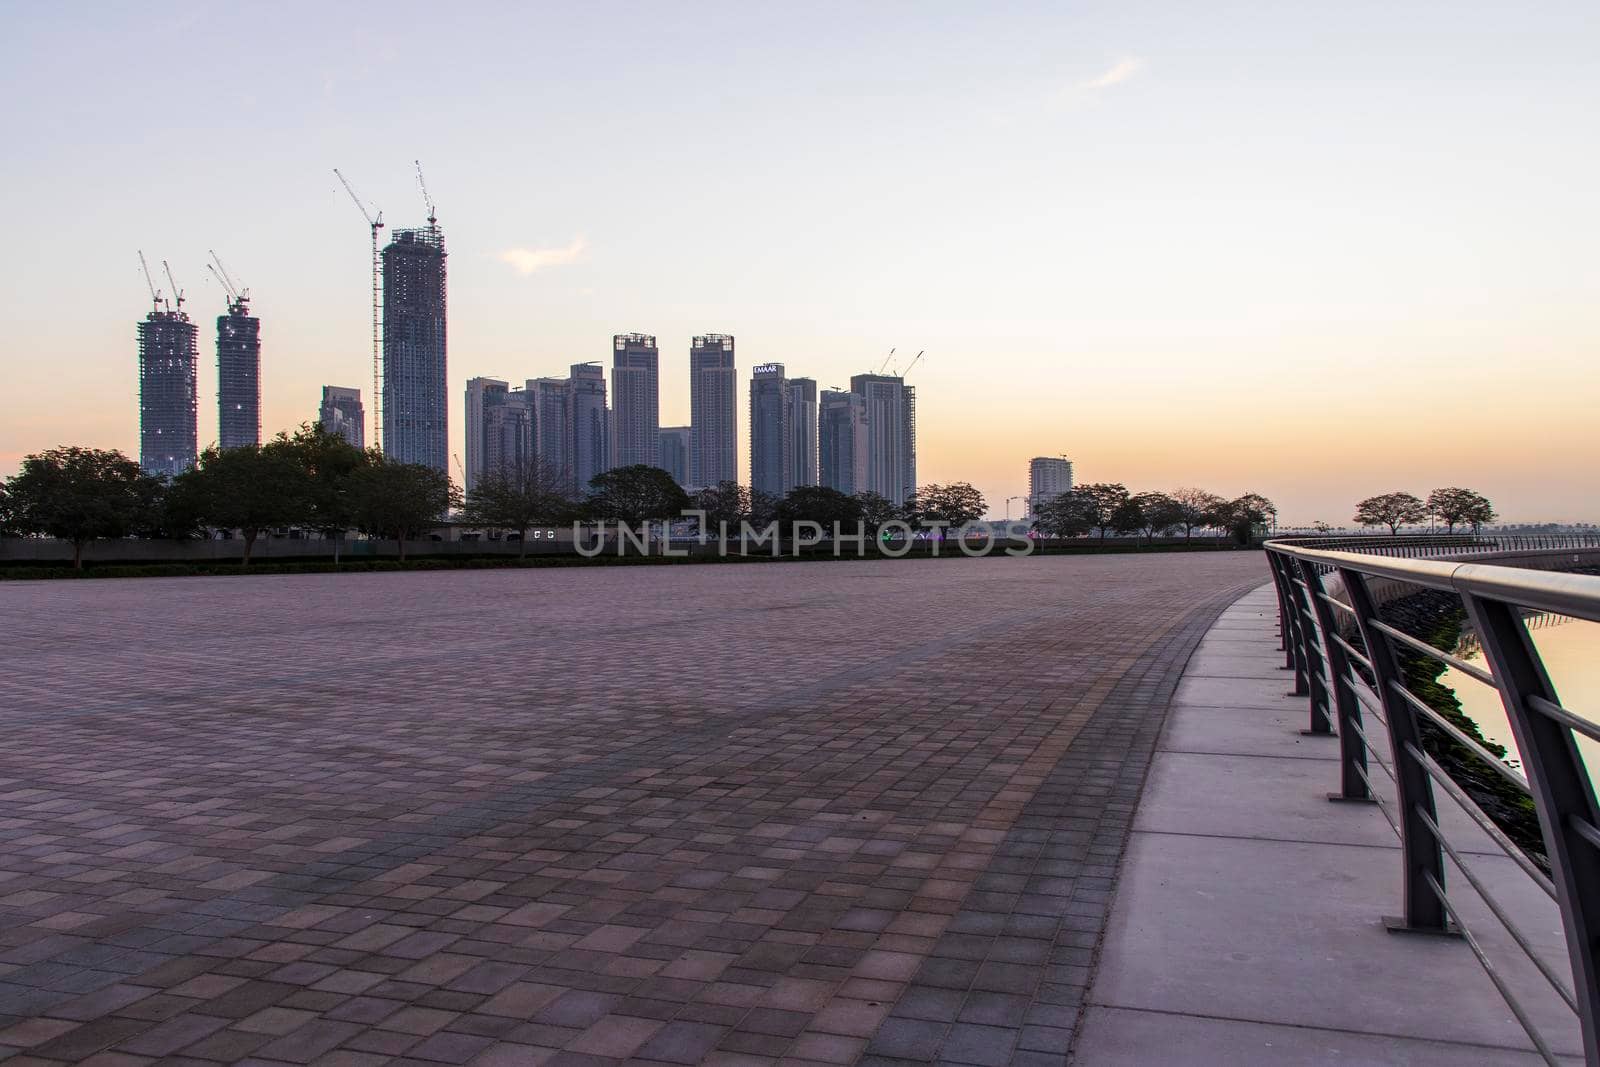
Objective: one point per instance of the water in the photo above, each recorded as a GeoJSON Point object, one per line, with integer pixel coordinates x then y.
{"type": "Point", "coordinates": [1570, 649]}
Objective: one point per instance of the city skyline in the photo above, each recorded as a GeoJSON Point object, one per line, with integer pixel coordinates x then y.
{"type": "Point", "coordinates": [1165, 229]}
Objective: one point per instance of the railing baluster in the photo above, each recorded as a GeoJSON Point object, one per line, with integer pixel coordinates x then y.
{"type": "Point", "coordinates": [1294, 655]}
{"type": "Point", "coordinates": [1316, 674]}
{"type": "Point", "coordinates": [1563, 792]}
{"type": "Point", "coordinates": [1352, 750]}
{"type": "Point", "coordinates": [1423, 858]}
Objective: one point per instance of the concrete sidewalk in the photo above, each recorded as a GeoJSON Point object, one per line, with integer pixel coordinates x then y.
{"type": "Point", "coordinates": [1246, 927]}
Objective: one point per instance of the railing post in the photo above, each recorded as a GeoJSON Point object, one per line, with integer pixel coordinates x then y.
{"type": "Point", "coordinates": [1315, 675]}
{"type": "Point", "coordinates": [1424, 912]}
{"type": "Point", "coordinates": [1352, 749]}
{"type": "Point", "coordinates": [1562, 792]}
{"type": "Point", "coordinates": [1295, 655]}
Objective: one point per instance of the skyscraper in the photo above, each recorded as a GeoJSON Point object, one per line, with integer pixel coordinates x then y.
{"type": "Point", "coordinates": [713, 391]}
{"type": "Point", "coordinates": [591, 424]}
{"type": "Point", "coordinates": [507, 433]}
{"type": "Point", "coordinates": [803, 431]}
{"type": "Point", "coordinates": [550, 401]}
{"type": "Point", "coordinates": [415, 407]}
{"type": "Point", "coordinates": [842, 441]}
{"type": "Point", "coordinates": [675, 452]}
{"type": "Point", "coordinates": [343, 413]}
{"type": "Point", "coordinates": [483, 396]}
{"type": "Point", "coordinates": [771, 441]}
{"type": "Point", "coordinates": [238, 376]}
{"type": "Point", "coordinates": [168, 362]}
{"type": "Point", "coordinates": [635, 383]}
{"type": "Point", "coordinates": [1048, 477]}
{"type": "Point", "coordinates": [891, 428]}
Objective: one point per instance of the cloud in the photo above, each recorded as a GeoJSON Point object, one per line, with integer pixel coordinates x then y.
{"type": "Point", "coordinates": [1116, 74]}
{"type": "Point", "coordinates": [528, 260]}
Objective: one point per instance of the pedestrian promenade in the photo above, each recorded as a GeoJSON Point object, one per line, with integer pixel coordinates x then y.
{"type": "Point", "coordinates": [1247, 926]}
{"type": "Point", "coordinates": [744, 814]}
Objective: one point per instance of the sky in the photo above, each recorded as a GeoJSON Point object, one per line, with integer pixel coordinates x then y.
{"type": "Point", "coordinates": [1313, 250]}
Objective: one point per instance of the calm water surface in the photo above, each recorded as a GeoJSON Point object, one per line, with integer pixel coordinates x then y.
{"type": "Point", "coordinates": [1570, 649]}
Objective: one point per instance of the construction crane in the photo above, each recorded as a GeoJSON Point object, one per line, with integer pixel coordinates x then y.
{"type": "Point", "coordinates": [462, 470]}
{"type": "Point", "coordinates": [433, 217]}
{"type": "Point", "coordinates": [885, 364]}
{"type": "Point", "coordinates": [915, 360]}
{"type": "Point", "coordinates": [155, 294]}
{"type": "Point", "coordinates": [174, 285]}
{"type": "Point", "coordinates": [238, 299]}
{"type": "Point", "coordinates": [373, 224]}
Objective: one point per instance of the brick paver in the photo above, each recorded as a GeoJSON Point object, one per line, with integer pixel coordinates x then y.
{"type": "Point", "coordinates": [799, 813]}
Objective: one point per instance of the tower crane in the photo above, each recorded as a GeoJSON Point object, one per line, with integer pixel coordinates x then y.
{"type": "Point", "coordinates": [155, 294]}
{"type": "Point", "coordinates": [433, 216]}
{"type": "Point", "coordinates": [373, 224]}
{"type": "Point", "coordinates": [174, 285]}
{"type": "Point", "coordinates": [885, 364]}
{"type": "Point", "coordinates": [915, 360]}
{"type": "Point", "coordinates": [236, 296]}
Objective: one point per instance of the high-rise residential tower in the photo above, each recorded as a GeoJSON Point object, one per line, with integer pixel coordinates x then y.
{"type": "Point", "coordinates": [1048, 477]}
{"type": "Point", "coordinates": [168, 364]}
{"type": "Point", "coordinates": [675, 452]}
{"type": "Point", "coordinates": [713, 393]}
{"type": "Point", "coordinates": [415, 406]}
{"type": "Point", "coordinates": [842, 441]}
{"type": "Point", "coordinates": [591, 424]}
{"type": "Point", "coordinates": [891, 428]}
{"type": "Point", "coordinates": [635, 387]}
{"type": "Point", "coordinates": [238, 375]}
{"type": "Point", "coordinates": [343, 413]}
{"type": "Point", "coordinates": [803, 431]}
{"type": "Point", "coordinates": [771, 439]}
{"type": "Point", "coordinates": [483, 395]}
{"type": "Point", "coordinates": [550, 401]}
{"type": "Point", "coordinates": [507, 433]}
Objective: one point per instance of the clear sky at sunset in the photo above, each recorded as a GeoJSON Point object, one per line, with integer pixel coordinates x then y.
{"type": "Point", "coordinates": [1312, 250]}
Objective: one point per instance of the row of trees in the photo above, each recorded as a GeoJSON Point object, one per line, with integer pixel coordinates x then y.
{"type": "Point", "coordinates": [315, 480]}
{"type": "Point", "coordinates": [1108, 507]}
{"type": "Point", "coordinates": [312, 479]}
{"type": "Point", "coordinates": [521, 495]}
{"type": "Point", "coordinates": [1452, 506]}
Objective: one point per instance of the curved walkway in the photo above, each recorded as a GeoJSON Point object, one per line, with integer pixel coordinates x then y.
{"type": "Point", "coordinates": [738, 814]}
{"type": "Point", "coordinates": [1247, 928]}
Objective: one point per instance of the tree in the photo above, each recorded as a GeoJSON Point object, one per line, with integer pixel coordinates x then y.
{"type": "Point", "coordinates": [876, 509]}
{"type": "Point", "coordinates": [1390, 509]}
{"type": "Point", "coordinates": [520, 494]}
{"type": "Point", "coordinates": [1158, 513]}
{"type": "Point", "coordinates": [79, 495]}
{"type": "Point", "coordinates": [955, 504]}
{"type": "Point", "coordinates": [1456, 506]}
{"type": "Point", "coordinates": [635, 495]}
{"type": "Point", "coordinates": [1064, 515]}
{"type": "Point", "coordinates": [763, 507]}
{"type": "Point", "coordinates": [821, 505]}
{"type": "Point", "coordinates": [1101, 501]}
{"type": "Point", "coordinates": [399, 500]}
{"type": "Point", "coordinates": [328, 461]}
{"type": "Point", "coordinates": [250, 488]}
{"type": "Point", "coordinates": [725, 502]}
{"type": "Point", "coordinates": [1128, 516]}
{"type": "Point", "coordinates": [1194, 508]}
{"type": "Point", "coordinates": [1245, 516]}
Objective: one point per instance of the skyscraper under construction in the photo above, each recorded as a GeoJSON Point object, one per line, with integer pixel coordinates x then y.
{"type": "Point", "coordinates": [238, 375]}
{"type": "Point", "coordinates": [168, 361]}
{"type": "Point", "coordinates": [415, 423]}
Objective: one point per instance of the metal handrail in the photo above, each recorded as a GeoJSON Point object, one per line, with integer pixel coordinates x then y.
{"type": "Point", "coordinates": [1320, 628]}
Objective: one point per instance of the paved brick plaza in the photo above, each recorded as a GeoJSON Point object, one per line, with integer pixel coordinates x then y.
{"type": "Point", "coordinates": [799, 813]}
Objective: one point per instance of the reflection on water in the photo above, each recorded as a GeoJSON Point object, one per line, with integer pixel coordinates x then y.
{"type": "Point", "coordinates": [1570, 649]}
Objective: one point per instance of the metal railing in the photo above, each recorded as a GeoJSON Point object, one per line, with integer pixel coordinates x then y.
{"type": "Point", "coordinates": [1348, 661]}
